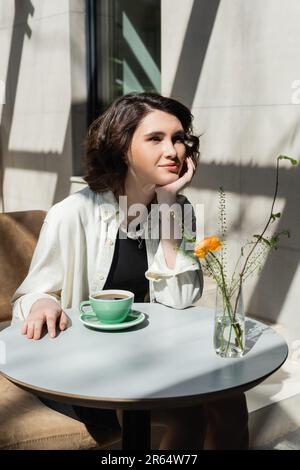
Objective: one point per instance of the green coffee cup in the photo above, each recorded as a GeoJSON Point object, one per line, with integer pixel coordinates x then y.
{"type": "Point", "coordinates": [110, 306]}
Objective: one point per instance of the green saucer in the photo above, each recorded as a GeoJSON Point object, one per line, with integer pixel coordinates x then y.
{"type": "Point", "coordinates": [134, 318]}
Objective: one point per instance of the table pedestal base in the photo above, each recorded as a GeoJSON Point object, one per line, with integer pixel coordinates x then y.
{"type": "Point", "coordinates": [136, 430]}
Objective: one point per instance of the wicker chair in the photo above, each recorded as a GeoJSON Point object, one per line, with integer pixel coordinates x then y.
{"type": "Point", "coordinates": [25, 423]}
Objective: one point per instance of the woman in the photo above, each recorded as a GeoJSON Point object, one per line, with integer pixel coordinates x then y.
{"type": "Point", "coordinates": [141, 148]}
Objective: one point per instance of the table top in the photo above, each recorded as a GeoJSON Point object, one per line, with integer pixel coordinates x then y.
{"type": "Point", "coordinates": [166, 361]}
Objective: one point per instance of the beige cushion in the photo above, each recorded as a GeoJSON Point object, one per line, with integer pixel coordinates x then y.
{"type": "Point", "coordinates": [19, 232]}
{"type": "Point", "coordinates": [26, 423]}
{"type": "Point", "coordinates": [4, 324]}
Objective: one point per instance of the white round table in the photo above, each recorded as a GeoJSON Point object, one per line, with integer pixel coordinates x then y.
{"type": "Point", "coordinates": [166, 361]}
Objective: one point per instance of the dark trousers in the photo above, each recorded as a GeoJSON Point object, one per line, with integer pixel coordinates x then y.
{"type": "Point", "coordinates": [91, 417]}
{"type": "Point", "coordinates": [227, 423]}
{"type": "Point", "coordinates": [226, 420]}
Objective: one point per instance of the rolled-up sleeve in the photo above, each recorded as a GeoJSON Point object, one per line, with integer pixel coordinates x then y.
{"type": "Point", "coordinates": [45, 275]}
{"type": "Point", "coordinates": [182, 286]}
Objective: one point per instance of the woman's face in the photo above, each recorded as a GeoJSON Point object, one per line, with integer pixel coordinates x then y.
{"type": "Point", "coordinates": [156, 142]}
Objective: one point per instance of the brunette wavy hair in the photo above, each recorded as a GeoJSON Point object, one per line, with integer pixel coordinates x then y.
{"type": "Point", "coordinates": [109, 137]}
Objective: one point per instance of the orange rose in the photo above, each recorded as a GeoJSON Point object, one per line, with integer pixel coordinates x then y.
{"type": "Point", "coordinates": [208, 244]}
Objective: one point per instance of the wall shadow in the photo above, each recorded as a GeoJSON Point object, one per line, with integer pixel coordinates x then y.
{"type": "Point", "coordinates": [190, 63]}
{"type": "Point", "coordinates": [21, 29]}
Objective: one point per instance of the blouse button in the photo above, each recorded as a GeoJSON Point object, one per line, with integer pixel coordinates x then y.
{"type": "Point", "coordinates": [110, 242]}
{"type": "Point", "coordinates": [101, 276]}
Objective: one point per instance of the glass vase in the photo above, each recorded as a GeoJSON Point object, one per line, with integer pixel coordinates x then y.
{"type": "Point", "coordinates": [229, 328]}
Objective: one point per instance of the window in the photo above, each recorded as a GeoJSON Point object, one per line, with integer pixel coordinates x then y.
{"type": "Point", "coordinates": [127, 48]}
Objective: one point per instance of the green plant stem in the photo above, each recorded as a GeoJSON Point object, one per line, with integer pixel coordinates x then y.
{"type": "Point", "coordinates": [259, 238]}
{"type": "Point", "coordinates": [231, 289]}
{"type": "Point", "coordinates": [227, 302]}
{"type": "Point", "coordinates": [234, 284]}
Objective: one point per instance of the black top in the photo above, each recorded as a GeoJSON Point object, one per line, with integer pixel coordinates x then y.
{"type": "Point", "coordinates": [128, 268]}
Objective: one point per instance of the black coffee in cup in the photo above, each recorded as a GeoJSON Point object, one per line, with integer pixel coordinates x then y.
{"type": "Point", "coordinates": [110, 296]}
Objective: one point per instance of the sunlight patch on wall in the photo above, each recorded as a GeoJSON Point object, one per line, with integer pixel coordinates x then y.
{"type": "Point", "coordinates": [28, 189]}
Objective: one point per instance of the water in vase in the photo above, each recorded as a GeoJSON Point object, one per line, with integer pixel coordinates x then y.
{"type": "Point", "coordinates": [229, 337]}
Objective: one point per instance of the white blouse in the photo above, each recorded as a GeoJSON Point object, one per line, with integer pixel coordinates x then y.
{"type": "Point", "coordinates": [74, 253]}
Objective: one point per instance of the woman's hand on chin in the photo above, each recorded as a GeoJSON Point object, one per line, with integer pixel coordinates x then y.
{"type": "Point", "coordinates": [167, 193]}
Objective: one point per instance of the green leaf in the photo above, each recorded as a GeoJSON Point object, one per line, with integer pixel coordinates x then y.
{"type": "Point", "coordinates": [276, 237]}
{"type": "Point", "coordinates": [292, 160]}
{"type": "Point", "coordinates": [276, 216]}
{"type": "Point", "coordinates": [259, 237]}
{"type": "Point", "coordinates": [285, 232]}
{"type": "Point", "coordinates": [188, 238]}
{"type": "Point", "coordinates": [266, 241]}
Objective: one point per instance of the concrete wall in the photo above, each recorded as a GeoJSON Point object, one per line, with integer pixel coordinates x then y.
{"type": "Point", "coordinates": [234, 63]}
{"type": "Point", "coordinates": [42, 62]}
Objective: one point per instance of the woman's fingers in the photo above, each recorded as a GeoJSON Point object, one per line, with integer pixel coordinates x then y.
{"type": "Point", "coordinates": [191, 165]}
{"type": "Point", "coordinates": [44, 311]}
{"type": "Point", "coordinates": [33, 329]}
{"type": "Point", "coordinates": [38, 328]}
{"type": "Point", "coordinates": [51, 325]}
{"type": "Point", "coordinates": [187, 177]}
{"type": "Point", "coordinates": [63, 324]}
{"type": "Point", "coordinates": [30, 330]}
